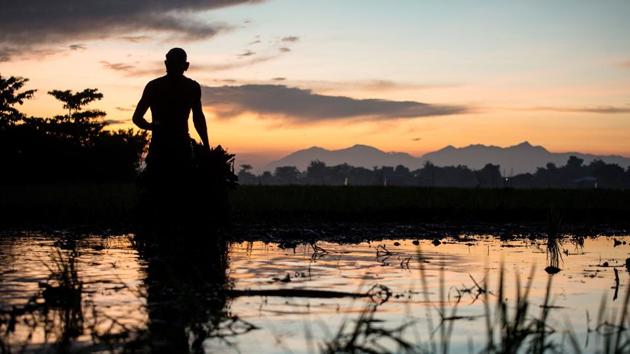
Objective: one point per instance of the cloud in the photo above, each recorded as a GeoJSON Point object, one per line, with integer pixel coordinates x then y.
{"type": "Point", "coordinates": [186, 29]}
{"type": "Point", "coordinates": [130, 70]}
{"type": "Point", "coordinates": [118, 66]}
{"type": "Point", "coordinates": [245, 59]}
{"type": "Point", "coordinates": [157, 68]}
{"type": "Point", "coordinates": [246, 53]}
{"type": "Point", "coordinates": [77, 47]}
{"type": "Point", "coordinates": [378, 85]}
{"type": "Point", "coordinates": [255, 41]}
{"type": "Point", "coordinates": [115, 121]}
{"type": "Point", "coordinates": [385, 85]}
{"type": "Point", "coordinates": [290, 39]}
{"type": "Point", "coordinates": [367, 86]}
{"type": "Point", "coordinates": [304, 106]}
{"type": "Point", "coordinates": [592, 109]}
{"type": "Point", "coordinates": [625, 64]}
{"type": "Point", "coordinates": [33, 23]}
{"type": "Point", "coordinates": [339, 87]}
{"type": "Point", "coordinates": [8, 53]}
{"type": "Point", "coordinates": [236, 64]}
{"type": "Point", "coordinates": [135, 39]}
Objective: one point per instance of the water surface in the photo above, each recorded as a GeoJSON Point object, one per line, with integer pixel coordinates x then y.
{"type": "Point", "coordinates": [132, 296]}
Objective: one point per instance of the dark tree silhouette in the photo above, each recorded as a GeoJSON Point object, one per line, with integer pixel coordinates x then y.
{"type": "Point", "coordinates": [80, 125]}
{"type": "Point", "coordinates": [574, 162]}
{"type": "Point", "coordinates": [71, 147]}
{"type": "Point", "coordinates": [10, 95]}
{"type": "Point", "coordinates": [287, 175]}
{"type": "Point", "coordinates": [245, 175]}
{"type": "Point", "coordinates": [316, 172]}
{"type": "Point", "coordinates": [73, 102]}
{"type": "Point", "coordinates": [574, 174]}
{"type": "Point", "coordinates": [489, 176]}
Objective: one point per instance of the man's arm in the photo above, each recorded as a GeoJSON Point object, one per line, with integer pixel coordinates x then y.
{"type": "Point", "coordinates": [199, 120]}
{"type": "Point", "coordinates": [141, 109]}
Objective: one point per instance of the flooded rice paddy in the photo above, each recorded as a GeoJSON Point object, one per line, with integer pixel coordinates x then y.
{"type": "Point", "coordinates": [118, 294]}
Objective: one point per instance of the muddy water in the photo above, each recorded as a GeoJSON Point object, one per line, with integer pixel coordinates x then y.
{"type": "Point", "coordinates": [248, 296]}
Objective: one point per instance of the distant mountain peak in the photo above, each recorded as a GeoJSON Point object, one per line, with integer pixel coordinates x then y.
{"type": "Point", "coordinates": [315, 148]}
{"type": "Point", "coordinates": [519, 158]}
{"type": "Point", "coordinates": [359, 155]}
{"type": "Point", "coordinates": [526, 145]}
{"type": "Point", "coordinates": [363, 147]}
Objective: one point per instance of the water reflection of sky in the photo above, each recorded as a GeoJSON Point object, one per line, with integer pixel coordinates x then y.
{"type": "Point", "coordinates": [114, 275]}
{"type": "Point", "coordinates": [578, 288]}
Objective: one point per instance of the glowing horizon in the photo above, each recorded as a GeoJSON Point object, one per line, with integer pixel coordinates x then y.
{"type": "Point", "coordinates": [451, 73]}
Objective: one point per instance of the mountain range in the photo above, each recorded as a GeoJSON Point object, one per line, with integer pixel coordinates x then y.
{"type": "Point", "coordinates": [520, 158]}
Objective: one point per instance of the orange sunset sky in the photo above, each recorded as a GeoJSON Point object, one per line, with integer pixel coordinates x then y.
{"type": "Point", "coordinates": [281, 75]}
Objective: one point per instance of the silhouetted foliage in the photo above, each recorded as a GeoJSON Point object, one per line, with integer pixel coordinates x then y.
{"type": "Point", "coordinates": [10, 95]}
{"type": "Point", "coordinates": [287, 175]}
{"type": "Point", "coordinates": [71, 147]}
{"type": "Point", "coordinates": [245, 175]}
{"type": "Point", "coordinates": [80, 125]}
{"type": "Point", "coordinates": [197, 194]}
{"type": "Point", "coordinates": [215, 166]}
{"type": "Point", "coordinates": [574, 174]}
{"type": "Point", "coordinates": [73, 102]}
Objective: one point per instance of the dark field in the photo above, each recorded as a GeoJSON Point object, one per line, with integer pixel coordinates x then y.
{"type": "Point", "coordinates": [114, 205]}
{"type": "Point", "coordinates": [340, 269]}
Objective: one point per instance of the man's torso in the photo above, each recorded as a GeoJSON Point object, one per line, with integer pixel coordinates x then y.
{"type": "Point", "coordinates": [171, 100]}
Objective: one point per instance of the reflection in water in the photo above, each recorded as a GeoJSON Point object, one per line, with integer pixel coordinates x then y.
{"type": "Point", "coordinates": [182, 294]}
{"type": "Point", "coordinates": [62, 294]}
{"type": "Point", "coordinates": [61, 297]}
{"type": "Point", "coordinates": [554, 255]}
{"type": "Point", "coordinates": [185, 285]}
{"type": "Point", "coordinates": [55, 309]}
{"type": "Point", "coordinates": [177, 294]}
{"type": "Point", "coordinates": [471, 267]}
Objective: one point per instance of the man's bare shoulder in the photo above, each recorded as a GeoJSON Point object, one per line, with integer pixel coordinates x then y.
{"type": "Point", "coordinates": [156, 82]}
{"type": "Point", "coordinates": [193, 84]}
{"type": "Point", "coordinates": [165, 81]}
{"type": "Point", "coordinates": [152, 85]}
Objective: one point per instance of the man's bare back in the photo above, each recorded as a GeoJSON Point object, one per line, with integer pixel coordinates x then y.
{"type": "Point", "coordinates": [171, 98]}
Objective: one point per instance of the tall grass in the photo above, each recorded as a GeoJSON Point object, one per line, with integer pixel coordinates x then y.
{"type": "Point", "coordinates": [509, 328]}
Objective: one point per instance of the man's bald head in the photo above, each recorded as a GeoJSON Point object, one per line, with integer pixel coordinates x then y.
{"type": "Point", "coordinates": [176, 61]}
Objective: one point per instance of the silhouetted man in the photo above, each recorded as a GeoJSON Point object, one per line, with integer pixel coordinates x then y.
{"type": "Point", "coordinates": [171, 98]}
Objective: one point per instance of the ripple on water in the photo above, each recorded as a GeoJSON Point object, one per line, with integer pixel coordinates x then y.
{"type": "Point", "coordinates": [117, 285]}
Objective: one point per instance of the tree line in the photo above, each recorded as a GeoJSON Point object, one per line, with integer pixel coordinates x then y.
{"type": "Point", "coordinates": [575, 174]}
{"type": "Point", "coordinates": [74, 146]}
